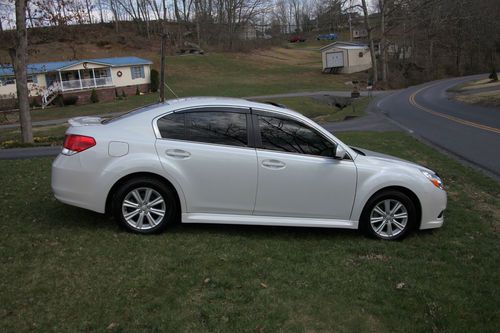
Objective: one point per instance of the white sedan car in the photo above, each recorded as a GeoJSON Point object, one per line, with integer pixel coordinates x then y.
{"type": "Point", "coordinates": [232, 161]}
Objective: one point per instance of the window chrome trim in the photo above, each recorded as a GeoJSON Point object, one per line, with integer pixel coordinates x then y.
{"type": "Point", "coordinates": [210, 108]}
{"type": "Point", "coordinates": [347, 158]}
{"type": "Point", "coordinates": [291, 117]}
{"type": "Point", "coordinates": [209, 144]}
{"type": "Point", "coordinates": [237, 109]}
{"type": "Point", "coordinates": [253, 112]}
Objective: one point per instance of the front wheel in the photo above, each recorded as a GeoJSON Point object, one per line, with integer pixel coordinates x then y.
{"type": "Point", "coordinates": [144, 205]}
{"type": "Point", "coordinates": [389, 215]}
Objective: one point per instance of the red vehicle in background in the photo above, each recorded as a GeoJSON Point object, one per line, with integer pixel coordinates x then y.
{"type": "Point", "coordinates": [296, 39]}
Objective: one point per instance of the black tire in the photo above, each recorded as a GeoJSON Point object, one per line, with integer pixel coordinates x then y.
{"type": "Point", "coordinates": [141, 184]}
{"type": "Point", "coordinates": [378, 199]}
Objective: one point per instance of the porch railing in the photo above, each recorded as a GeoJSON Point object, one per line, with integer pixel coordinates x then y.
{"type": "Point", "coordinates": [86, 83]}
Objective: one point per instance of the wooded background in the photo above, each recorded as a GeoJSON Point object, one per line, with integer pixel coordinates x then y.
{"type": "Point", "coordinates": [414, 40]}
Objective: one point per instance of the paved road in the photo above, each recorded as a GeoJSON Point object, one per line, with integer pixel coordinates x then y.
{"type": "Point", "coordinates": [20, 153]}
{"type": "Point", "coordinates": [468, 131]}
{"type": "Point", "coordinates": [316, 93]}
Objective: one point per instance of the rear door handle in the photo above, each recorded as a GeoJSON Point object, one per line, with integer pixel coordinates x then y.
{"type": "Point", "coordinates": [178, 153]}
{"type": "Point", "coordinates": [273, 164]}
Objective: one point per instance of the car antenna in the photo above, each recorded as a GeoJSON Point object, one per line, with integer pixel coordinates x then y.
{"type": "Point", "coordinates": [166, 85]}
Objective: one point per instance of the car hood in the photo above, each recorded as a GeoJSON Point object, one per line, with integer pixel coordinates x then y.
{"type": "Point", "coordinates": [389, 159]}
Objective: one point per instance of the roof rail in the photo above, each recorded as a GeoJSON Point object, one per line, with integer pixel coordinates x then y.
{"type": "Point", "coordinates": [275, 104]}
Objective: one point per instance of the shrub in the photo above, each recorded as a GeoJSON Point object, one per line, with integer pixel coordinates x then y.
{"type": "Point", "coordinates": [493, 76]}
{"type": "Point", "coordinates": [123, 94]}
{"type": "Point", "coordinates": [155, 80]}
{"type": "Point", "coordinates": [59, 101]}
{"type": "Point", "coordinates": [70, 100]}
{"type": "Point", "coordinates": [93, 96]}
{"type": "Point", "coordinates": [137, 91]}
{"type": "Point", "coordinates": [34, 102]}
{"type": "Point", "coordinates": [102, 43]}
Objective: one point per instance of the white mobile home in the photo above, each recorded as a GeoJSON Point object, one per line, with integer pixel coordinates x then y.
{"type": "Point", "coordinates": [79, 77]}
{"type": "Point", "coordinates": [345, 57]}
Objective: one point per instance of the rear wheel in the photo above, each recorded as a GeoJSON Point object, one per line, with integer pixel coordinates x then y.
{"type": "Point", "coordinates": [389, 215]}
{"type": "Point", "coordinates": [144, 205]}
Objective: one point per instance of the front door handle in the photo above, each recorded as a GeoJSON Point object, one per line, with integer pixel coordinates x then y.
{"type": "Point", "coordinates": [273, 164]}
{"type": "Point", "coordinates": [178, 153]}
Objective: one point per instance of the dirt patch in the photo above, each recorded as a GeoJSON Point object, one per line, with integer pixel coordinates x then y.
{"type": "Point", "coordinates": [284, 56]}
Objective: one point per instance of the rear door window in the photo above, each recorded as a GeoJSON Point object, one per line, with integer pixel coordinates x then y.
{"type": "Point", "coordinates": [226, 128]}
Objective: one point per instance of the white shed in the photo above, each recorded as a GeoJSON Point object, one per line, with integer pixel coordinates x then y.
{"type": "Point", "coordinates": [345, 57]}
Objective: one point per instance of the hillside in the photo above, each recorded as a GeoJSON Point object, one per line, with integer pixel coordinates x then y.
{"type": "Point", "coordinates": [262, 70]}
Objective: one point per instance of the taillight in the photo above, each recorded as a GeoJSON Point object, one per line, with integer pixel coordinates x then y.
{"type": "Point", "coordinates": [76, 143]}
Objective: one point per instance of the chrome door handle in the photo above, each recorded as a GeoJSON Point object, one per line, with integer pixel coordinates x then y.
{"type": "Point", "coordinates": [273, 164]}
{"type": "Point", "coordinates": [178, 153]}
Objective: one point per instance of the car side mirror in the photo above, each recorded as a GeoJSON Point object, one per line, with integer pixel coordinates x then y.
{"type": "Point", "coordinates": [339, 153]}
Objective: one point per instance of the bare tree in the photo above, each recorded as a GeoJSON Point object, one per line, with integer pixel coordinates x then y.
{"type": "Point", "coordinates": [370, 40]}
{"type": "Point", "coordinates": [89, 6]}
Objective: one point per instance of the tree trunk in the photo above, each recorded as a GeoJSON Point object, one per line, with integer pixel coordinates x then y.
{"type": "Point", "coordinates": [18, 56]}
{"type": "Point", "coordinates": [115, 14]}
{"type": "Point", "coordinates": [383, 46]}
{"type": "Point", "coordinates": [370, 38]}
{"type": "Point", "coordinates": [100, 11]}
{"type": "Point", "coordinates": [431, 71]}
{"type": "Point", "coordinates": [89, 13]}
{"type": "Point", "coordinates": [30, 15]}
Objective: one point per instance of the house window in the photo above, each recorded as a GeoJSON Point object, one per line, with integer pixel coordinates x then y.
{"type": "Point", "coordinates": [101, 72]}
{"type": "Point", "coordinates": [7, 80]}
{"type": "Point", "coordinates": [32, 78]}
{"type": "Point", "coordinates": [137, 72]}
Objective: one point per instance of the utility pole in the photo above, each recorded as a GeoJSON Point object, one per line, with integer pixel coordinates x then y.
{"type": "Point", "coordinates": [350, 21]}
{"type": "Point", "coordinates": [162, 67]}
{"type": "Point", "coordinates": [350, 26]}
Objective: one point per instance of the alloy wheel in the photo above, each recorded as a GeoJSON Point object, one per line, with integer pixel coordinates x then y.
{"type": "Point", "coordinates": [388, 218]}
{"type": "Point", "coordinates": [143, 208]}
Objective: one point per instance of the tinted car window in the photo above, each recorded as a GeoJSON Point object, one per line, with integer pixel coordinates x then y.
{"type": "Point", "coordinates": [172, 126]}
{"type": "Point", "coordinates": [290, 136]}
{"type": "Point", "coordinates": [225, 128]}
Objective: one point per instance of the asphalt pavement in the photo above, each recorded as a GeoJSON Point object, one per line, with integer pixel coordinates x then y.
{"type": "Point", "coordinates": [470, 132]}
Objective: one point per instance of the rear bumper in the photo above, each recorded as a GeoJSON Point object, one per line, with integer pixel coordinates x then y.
{"type": "Point", "coordinates": [74, 184]}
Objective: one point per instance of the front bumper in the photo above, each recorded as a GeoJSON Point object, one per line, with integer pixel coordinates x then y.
{"type": "Point", "coordinates": [433, 206]}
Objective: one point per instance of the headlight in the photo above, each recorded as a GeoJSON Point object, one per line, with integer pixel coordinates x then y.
{"type": "Point", "coordinates": [434, 179]}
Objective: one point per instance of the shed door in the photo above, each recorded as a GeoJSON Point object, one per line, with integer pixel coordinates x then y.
{"type": "Point", "coordinates": [335, 59]}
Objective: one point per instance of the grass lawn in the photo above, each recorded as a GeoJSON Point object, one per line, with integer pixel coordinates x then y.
{"type": "Point", "coordinates": [260, 72]}
{"type": "Point", "coordinates": [42, 136]}
{"type": "Point", "coordinates": [65, 269]}
{"type": "Point", "coordinates": [474, 84]}
{"type": "Point", "coordinates": [131, 102]}
{"type": "Point", "coordinates": [488, 99]}
{"type": "Point", "coordinates": [322, 112]}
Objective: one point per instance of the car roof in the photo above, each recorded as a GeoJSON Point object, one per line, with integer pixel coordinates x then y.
{"type": "Point", "coordinates": [178, 104]}
{"type": "Point", "coordinates": [183, 103]}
